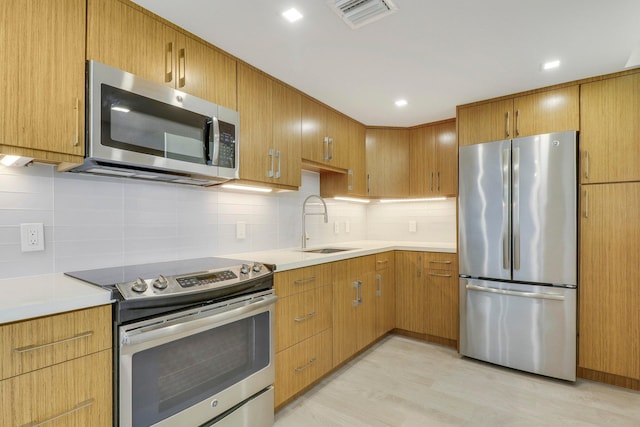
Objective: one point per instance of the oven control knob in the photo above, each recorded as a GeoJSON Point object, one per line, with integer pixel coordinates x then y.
{"type": "Point", "coordinates": [257, 267]}
{"type": "Point", "coordinates": [161, 282]}
{"type": "Point", "coordinates": [245, 269]}
{"type": "Point", "coordinates": [139, 285]}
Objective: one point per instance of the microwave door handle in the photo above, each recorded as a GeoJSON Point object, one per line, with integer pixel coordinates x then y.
{"type": "Point", "coordinates": [206, 140]}
{"type": "Point", "coordinates": [216, 142]}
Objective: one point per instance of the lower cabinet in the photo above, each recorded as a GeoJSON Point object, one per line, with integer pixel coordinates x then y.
{"type": "Point", "coordinates": [385, 299]}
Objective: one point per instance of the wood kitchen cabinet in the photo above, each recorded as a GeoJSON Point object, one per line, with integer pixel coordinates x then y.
{"type": "Point", "coordinates": [433, 157]}
{"type": "Point", "coordinates": [354, 306]}
{"type": "Point", "coordinates": [609, 300]}
{"type": "Point", "coordinates": [387, 157]}
{"type": "Point", "coordinates": [270, 129]}
{"type": "Point", "coordinates": [57, 369]}
{"type": "Point", "coordinates": [610, 129]}
{"type": "Point", "coordinates": [303, 334]}
{"type": "Point", "coordinates": [325, 135]}
{"type": "Point", "coordinates": [385, 293]}
{"type": "Point", "coordinates": [42, 45]}
{"type": "Point", "coordinates": [354, 182]}
{"type": "Point", "coordinates": [127, 37]}
{"type": "Point", "coordinates": [427, 295]}
{"type": "Point", "coordinates": [555, 110]}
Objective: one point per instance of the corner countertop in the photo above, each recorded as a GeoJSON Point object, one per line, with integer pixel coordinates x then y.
{"type": "Point", "coordinates": [44, 295]}
{"type": "Point", "coordinates": [289, 259]}
{"type": "Point", "coordinates": [35, 296]}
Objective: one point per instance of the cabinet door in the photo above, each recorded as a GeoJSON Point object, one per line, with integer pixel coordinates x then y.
{"type": "Point", "coordinates": [492, 121]}
{"type": "Point", "coordinates": [314, 126]}
{"type": "Point", "coordinates": [385, 293]}
{"type": "Point", "coordinates": [441, 286]}
{"type": "Point", "coordinates": [42, 74]}
{"type": "Point", "coordinates": [357, 160]}
{"type": "Point", "coordinates": [338, 132]}
{"type": "Point", "coordinates": [345, 313]}
{"type": "Point", "coordinates": [446, 159]}
{"type": "Point", "coordinates": [609, 303]}
{"type": "Point", "coordinates": [362, 269]}
{"type": "Point", "coordinates": [73, 393]}
{"type": "Point", "coordinates": [421, 161]}
{"type": "Point", "coordinates": [287, 134]}
{"type": "Point", "coordinates": [257, 157]}
{"type": "Point", "coordinates": [410, 292]}
{"type": "Point", "coordinates": [610, 130]}
{"type": "Point", "coordinates": [388, 162]}
{"type": "Point", "coordinates": [551, 111]}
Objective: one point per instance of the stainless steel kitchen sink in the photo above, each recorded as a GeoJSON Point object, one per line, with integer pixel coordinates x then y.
{"type": "Point", "coordinates": [327, 250]}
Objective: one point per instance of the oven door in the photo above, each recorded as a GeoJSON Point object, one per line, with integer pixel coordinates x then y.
{"type": "Point", "coordinates": [193, 366]}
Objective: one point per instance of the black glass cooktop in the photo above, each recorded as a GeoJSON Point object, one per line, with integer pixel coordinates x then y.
{"type": "Point", "coordinates": [108, 277]}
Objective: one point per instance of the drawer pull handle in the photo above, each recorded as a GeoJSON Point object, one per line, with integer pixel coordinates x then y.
{"type": "Point", "coordinates": [439, 275]}
{"type": "Point", "coordinates": [303, 318]}
{"type": "Point", "coordinates": [303, 281]}
{"type": "Point", "coordinates": [383, 261]}
{"type": "Point", "coordinates": [39, 346]}
{"type": "Point", "coordinates": [308, 365]}
{"type": "Point", "coordinates": [76, 408]}
{"type": "Point", "coordinates": [439, 262]}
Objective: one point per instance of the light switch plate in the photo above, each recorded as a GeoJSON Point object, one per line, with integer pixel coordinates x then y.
{"type": "Point", "coordinates": [413, 227]}
{"type": "Point", "coordinates": [241, 230]}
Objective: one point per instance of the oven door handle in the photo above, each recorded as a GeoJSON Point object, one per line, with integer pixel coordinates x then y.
{"type": "Point", "coordinates": [185, 326]}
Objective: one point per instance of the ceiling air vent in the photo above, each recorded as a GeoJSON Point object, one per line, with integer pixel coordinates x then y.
{"type": "Point", "coordinates": [357, 13]}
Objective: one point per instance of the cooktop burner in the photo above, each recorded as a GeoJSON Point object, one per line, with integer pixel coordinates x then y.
{"type": "Point", "coordinates": [172, 277]}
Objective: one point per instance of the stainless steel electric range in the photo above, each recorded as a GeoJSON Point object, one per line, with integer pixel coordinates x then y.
{"type": "Point", "coordinates": [193, 342]}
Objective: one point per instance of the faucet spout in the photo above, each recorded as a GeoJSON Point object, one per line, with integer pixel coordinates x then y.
{"type": "Point", "coordinates": [304, 216]}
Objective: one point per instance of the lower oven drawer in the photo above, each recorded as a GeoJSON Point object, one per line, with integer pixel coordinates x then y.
{"type": "Point", "coordinates": [255, 412]}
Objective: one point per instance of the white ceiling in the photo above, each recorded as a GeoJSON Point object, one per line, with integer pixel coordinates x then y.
{"type": "Point", "coordinates": [435, 53]}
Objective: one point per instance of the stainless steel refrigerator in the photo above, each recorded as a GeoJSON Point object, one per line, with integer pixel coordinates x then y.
{"type": "Point", "coordinates": [518, 249]}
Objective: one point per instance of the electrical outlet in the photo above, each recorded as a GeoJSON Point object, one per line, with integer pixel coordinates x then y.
{"type": "Point", "coordinates": [241, 230]}
{"type": "Point", "coordinates": [412, 227]}
{"type": "Point", "coordinates": [32, 237]}
{"type": "Point", "coordinates": [336, 227]}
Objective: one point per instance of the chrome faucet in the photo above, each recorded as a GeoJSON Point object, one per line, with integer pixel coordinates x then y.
{"type": "Point", "coordinates": [304, 216]}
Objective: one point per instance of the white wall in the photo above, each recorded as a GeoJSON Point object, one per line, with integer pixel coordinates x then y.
{"type": "Point", "coordinates": [93, 222]}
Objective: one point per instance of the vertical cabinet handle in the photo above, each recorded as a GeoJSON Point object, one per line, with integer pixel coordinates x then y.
{"type": "Point", "coordinates": [379, 279]}
{"type": "Point", "coordinates": [351, 180]}
{"type": "Point", "coordinates": [431, 182]}
{"type": "Point", "coordinates": [331, 146]}
{"type": "Point", "coordinates": [517, 122]}
{"type": "Point", "coordinates": [438, 175]}
{"type": "Point", "coordinates": [279, 164]}
{"type": "Point", "coordinates": [420, 266]}
{"type": "Point", "coordinates": [270, 171]}
{"type": "Point", "coordinates": [368, 183]}
{"type": "Point", "coordinates": [508, 130]}
{"type": "Point", "coordinates": [76, 140]}
{"type": "Point", "coordinates": [586, 203]}
{"type": "Point", "coordinates": [168, 63]}
{"type": "Point", "coordinates": [326, 148]}
{"type": "Point", "coordinates": [356, 286]}
{"type": "Point", "coordinates": [182, 73]}
{"type": "Point", "coordinates": [586, 165]}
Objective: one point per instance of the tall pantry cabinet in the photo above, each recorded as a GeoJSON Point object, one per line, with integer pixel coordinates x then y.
{"type": "Point", "coordinates": [609, 292]}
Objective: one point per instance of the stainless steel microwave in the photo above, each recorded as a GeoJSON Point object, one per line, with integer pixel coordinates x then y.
{"type": "Point", "coordinates": [146, 130]}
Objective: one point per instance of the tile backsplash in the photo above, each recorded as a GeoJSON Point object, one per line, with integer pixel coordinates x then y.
{"type": "Point", "coordinates": [91, 222]}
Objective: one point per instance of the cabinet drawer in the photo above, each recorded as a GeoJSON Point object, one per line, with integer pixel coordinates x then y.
{"type": "Point", "coordinates": [302, 315]}
{"type": "Point", "coordinates": [301, 279]}
{"type": "Point", "coordinates": [74, 393]}
{"type": "Point", "coordinates": [302, 364]}
{"type": "Point", "coordinates": [441, 261]}
{"type": "Point", "coordinates": [36, 343]}
{"type": "Point", "coordinates": [385, 260]}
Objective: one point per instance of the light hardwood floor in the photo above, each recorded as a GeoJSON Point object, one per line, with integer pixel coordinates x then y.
{"type": "Point", "coordinates": [405, 382]}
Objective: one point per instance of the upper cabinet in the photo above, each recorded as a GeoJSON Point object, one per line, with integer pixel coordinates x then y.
{"type": "Point", "coordinates": [610, 130]}
{"type": "Point", "coordinates": [433, 156]}
{"type": "Point", "coordinates": [42, 53]}
{"type": "Point", "coordinates": [124, 36]}
{"type": "Point", "coordinates": [354, 182]}
{"type": "Point", "coordinates": [270, 129]}
{"type": "Point", "coordinates": [554, 110]}
{"type": "Point", "coordinates": [387, 162]}
{"type": "Point", "coordinates": [325, 135]}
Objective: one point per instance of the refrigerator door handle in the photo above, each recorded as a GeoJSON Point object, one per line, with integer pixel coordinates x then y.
{"type": "Point", "coordinates": [505, 208]}
{"type": "Point", "coordinates": [536, 295]}
{"type": "Point", "coordinates": [516, 208]}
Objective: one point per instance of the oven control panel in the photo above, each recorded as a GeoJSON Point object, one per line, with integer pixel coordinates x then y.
{"type": "Point", "coordinates": [148, 287]}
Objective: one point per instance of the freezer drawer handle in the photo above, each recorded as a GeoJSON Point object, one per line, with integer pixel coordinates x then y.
{"type": "Point", "coordinates": [524, 294]}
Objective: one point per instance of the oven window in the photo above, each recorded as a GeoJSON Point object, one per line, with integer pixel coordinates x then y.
{"type": "Point", "coordinates": [174, 376]}
{"type": "Point", "coordinates": [135, 123]}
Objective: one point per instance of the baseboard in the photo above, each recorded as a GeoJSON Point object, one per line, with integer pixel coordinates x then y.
{"type": "Point", "coordinates": [606, 378]}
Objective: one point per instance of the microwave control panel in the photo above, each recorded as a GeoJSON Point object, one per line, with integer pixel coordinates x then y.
{"type": "Point", "coordinates": [227, 152]}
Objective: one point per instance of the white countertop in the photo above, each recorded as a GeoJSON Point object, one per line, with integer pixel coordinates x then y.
{"type": "Point", "coordinates": [48, 294]}
{"type": "Point", "coordinates": [288, 259]}
{"type": "Point", "coordinates": [35, 296]}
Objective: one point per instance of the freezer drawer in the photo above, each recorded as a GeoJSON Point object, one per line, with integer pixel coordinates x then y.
{"type": "Point", "coordinates": [526, 327]}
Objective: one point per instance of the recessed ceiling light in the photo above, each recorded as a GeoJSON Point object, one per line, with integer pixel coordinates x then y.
{"type": "Point", "coordinates": [401, 102]}
{"type": "Point", "coordinates": [292, 15]}
{"type": "Point", "coordinates": [550, 65]}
